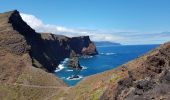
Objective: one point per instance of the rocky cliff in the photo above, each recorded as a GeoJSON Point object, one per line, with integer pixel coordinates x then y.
{"type": "Point", "coordinates": [86, 46]}
{"type": "Point", "coordinates": [23, 55]}
{"type": "Point", "coordinates": [45, 49]}
{"type": "Point", "coordinates": [19, 46]}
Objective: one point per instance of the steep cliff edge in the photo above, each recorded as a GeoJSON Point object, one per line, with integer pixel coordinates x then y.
{"type": "Point", "coordinates": [45, 49]}
{"type": "Point", "coordinates": [19, 79]}
{"type": "Point", "coordinates": [23, 55]}
{"type": "Point", "coordinates": [86, 46]}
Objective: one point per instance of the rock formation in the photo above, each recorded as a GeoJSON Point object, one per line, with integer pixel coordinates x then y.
{"type": "Point", "coordinates": [45, 49]}
{"type": "Point", "coordinates": [74, 63]}
{"type": "Point", "coordinates": [19, 48]}
{"type": "Point", "coordinates": [23, 55]}
{"type": "Point", "coordinates": [84, 44]}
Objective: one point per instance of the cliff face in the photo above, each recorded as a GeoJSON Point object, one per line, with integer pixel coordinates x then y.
{"type": "Point", "coordinates": [45, 49]}
{"type": "Point", "coordinates": [58, 47]}
{"type": "Point", "coordinates": [19, 79]}
{"type": "Point", "coordinates": [23, 55]}
{"type": "Point", "coordinates": [148, 77]}
{"type": "Point", "coordinates": [86, 46]}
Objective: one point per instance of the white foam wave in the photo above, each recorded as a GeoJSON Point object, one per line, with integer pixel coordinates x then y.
{"type": "Point", "coordinates": [72, 78]}
{"type": "Point", "coordinates": [84, 67]}
{"type": "Point", "coordinates": [65, 61]}
{"type": "Point", "coordinates": [86, 57]}
{"type": "Point", "coordinates": [109, 53]}
{"type": "Point", "coordinates": [68, 70]}
{"type": "Point", "coordinates": [102, 53]}
{"type": "Point", "coordinates": [59, 68]}
{"type": "Point", "coordinates": [61, 65]}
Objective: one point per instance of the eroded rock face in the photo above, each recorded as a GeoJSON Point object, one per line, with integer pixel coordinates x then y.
{"type": "Point", "coordinates": [74, 63]}
{"type": "Point", "coordinates": [19, 47]}
{"type": "Point", "coordinates": [84, 44]}
{"type": "Point", "coordinates": [23, 55]}
{"type": "Point", "coordinates": [61, 47]}
{"type": "Point", "coordinates": [148, 78]}
{"type": "Point", "coordinates": [46, 50]}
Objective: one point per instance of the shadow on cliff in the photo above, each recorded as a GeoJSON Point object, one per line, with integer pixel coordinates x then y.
{"type": "Point", "coordinates": [44, 53]}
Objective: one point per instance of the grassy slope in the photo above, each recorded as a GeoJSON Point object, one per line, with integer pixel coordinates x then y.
{"type": "Point", "coordinates": [19, 80]}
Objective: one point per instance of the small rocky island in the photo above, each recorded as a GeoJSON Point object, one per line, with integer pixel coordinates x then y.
{"type": "Point", "coordinates": [74, 63]}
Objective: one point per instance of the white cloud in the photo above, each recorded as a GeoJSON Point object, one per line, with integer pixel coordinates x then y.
{"type": "Point", "coordinates": [39, 26]}
{"type": "Point", "coordinates": [120, 36]}
{"type": "Point", "coordinates": [32, 20]}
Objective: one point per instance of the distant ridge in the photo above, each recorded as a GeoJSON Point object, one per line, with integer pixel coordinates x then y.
{"type": "Point", "coordinates": [105, 43]}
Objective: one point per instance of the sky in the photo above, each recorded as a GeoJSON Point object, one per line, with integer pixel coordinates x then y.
{"type": "Point", "coordinates": [122, 21]}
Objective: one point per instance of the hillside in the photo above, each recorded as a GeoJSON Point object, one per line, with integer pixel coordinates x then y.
{"type": "Point", "coordinates": [18, 77]}
{"type": "Point", "coordinates": [145, 78]}
{"type": "Point", "coordinates": [27, 57]}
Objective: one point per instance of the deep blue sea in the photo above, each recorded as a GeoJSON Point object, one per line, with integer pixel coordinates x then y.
{"type": "Point", "coordinates": [109, 57]}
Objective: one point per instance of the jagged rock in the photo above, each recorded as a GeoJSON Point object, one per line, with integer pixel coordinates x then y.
{"type": "Point", "coordinates": [23, 55]}
{"type": "Point", "coordinates": [74, 63]}
{"type": "Point", "coordinates": [150, 77]}
{"type": "Point", "coordinates": [84, 44]}
{"type": "Point", "coordinates": [19, 46]}
{"type": "Point", "coordinates": [46, 50]}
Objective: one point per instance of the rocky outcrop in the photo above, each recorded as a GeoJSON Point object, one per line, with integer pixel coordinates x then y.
{"type": "Point", "coordinates": [74, 63]}
{"type": "Point", "coordinates": [86, 46]}
{"type": "Point", "coordinates": [148, 79]}
{"type": "Point", "coordinates": [45, 49]}
{"type": "Point", "coordinates": [59, 47]}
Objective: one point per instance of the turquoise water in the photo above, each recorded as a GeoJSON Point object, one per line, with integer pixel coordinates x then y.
{"type": "Point", "coordinates": [109, 57]}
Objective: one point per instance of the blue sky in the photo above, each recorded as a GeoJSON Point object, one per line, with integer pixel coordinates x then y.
{"type": "Point", "coordinates": [142, 19]}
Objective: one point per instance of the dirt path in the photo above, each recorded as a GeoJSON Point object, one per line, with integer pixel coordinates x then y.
{"type": "Point", "coordinates": [45, 87]}
{"type": "Point", "coordinates": [39, 86]}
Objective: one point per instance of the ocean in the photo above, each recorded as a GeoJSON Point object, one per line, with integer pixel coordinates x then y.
{"type": "Point", "coordinates": [109, 57]}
